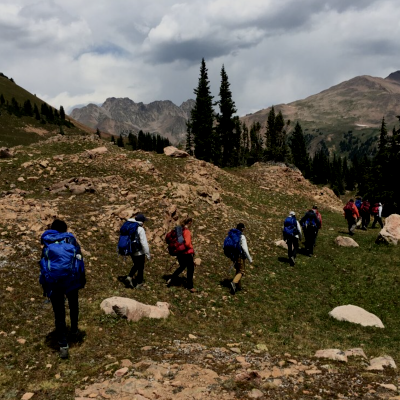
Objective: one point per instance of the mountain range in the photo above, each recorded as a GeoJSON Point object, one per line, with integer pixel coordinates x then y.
{"type": "Point", "coordinates": [345, 116]}
{"type": "Point", "coordinates": [122, 115]}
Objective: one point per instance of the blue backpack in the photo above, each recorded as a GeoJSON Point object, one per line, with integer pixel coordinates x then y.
{"type": "Point", "coordinates": [309, 220]}
{"type": "Point", "coordinates": [59, 265]}
{"type": "Point", "coordinates": [358, 203]}
{"type": "Point", "coordinates": [290, 227]}
{"type": "Point", "coordinates": [232, 248]}
{"type": "Point", "coordinates": [129, 242]}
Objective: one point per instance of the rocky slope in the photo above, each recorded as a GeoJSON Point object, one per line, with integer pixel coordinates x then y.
{"type": "Point", "coordinates": [260, 343]}
{"type": "Point", "coordinates": [122, 115]}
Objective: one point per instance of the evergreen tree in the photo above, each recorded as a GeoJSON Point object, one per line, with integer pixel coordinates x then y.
{"type": "Point", "coordinates": [276, 137]}
{"type": "Point", "coordinates": [2, 100]}
{"type": "Point", "coordinates": [61, 131]}
{"type": "Point", "coordinates": [28, 110]}
{"type": "Point", "coordinates": [62, 114]}
{"type": "Point", "coordinates": [36, 112]}
{"type": "Point", "coordinates": [120, 141]}
{"type": "Point", "coordinates": [383, 137]}
{"type": "Point", "coordinates": [201, 118]}
{"type": "Point", "coordinates": [141, 140]}
{"type": "Point", "coordinates": [97, 129]}
{"type": "Point", "coordinates": [226, 123]}
{"type": "Point", "coordinates": [189, 139]}
{"type": "Point", "coordinates": [112, 139]}
{"type": "Point", "coordinates": [298, 147]}
{"type": "Point", "coordinates": [256, 144]}
{"type": "Point", "coordinates": [133, 141]}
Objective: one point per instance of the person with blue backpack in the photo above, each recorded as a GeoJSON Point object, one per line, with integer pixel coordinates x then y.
{"type": "Point", "coordinates": [235, 248]}
{"type": "Point", "coordinates": [311, 224]}
{"type": "Point", "coordinates": [62, 274]}
{"type": "Point", "coordinates": [292, 235]}
{"type": "Point", "coordinates": [133, 242]}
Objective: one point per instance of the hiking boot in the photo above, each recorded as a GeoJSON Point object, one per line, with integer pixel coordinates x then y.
{"type": "Point", "coordinates": [128, 282]}
{"type": "Point", "coordinates": [64, 352]}
{"type": "Point", "coordinates": [292, 261]}
{"type": "Point", "coordinates": [233, 287]}
{"type": "Point", "coordinates": [139, 286]}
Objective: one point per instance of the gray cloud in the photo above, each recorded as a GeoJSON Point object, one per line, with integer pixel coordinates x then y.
{"type": "Point", "coordinates": [79, 52]}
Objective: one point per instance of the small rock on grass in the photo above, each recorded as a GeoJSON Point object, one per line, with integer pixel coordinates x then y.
{"type": "Point", "coordinates": [27, 396]}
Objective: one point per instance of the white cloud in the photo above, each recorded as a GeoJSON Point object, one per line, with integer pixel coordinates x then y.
{"type": "Point", "coordinates": [78, 52]}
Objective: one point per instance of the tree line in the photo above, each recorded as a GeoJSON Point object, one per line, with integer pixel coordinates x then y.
{"type": "Point", "coordinates": [222, 139]}
{"type": "Point", "coordinates": [46, 114]}
{"type": "Point", "coordinates": [143, 141]}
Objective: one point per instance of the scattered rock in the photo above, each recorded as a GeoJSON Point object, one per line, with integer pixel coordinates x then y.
{"type": "Point", "coordinates": [331, 354]}
{"type": "Point", "coordinates": [192, 336]}
{"type": "Point", "coordinates": [390, 233]}
{"type": "Point", "coordinates": [96, 152]}
{"type": "Point", "coordinates": [256, 394]}
{"type": "Point", "coordinates": [356, 352]}
{"type": "Point", "coordinates": [126, 363]}
{"type": "Point", "coordinates": [379, 363]}
{"type": "Point", "coordinates": [172, 151]}
{"type": "Point", "coordinates": [388, 386]}
{"type": "Point", "coordinates": [27, 396]}
{"type": "Point", "coordinates": [356, 315]}
{"type": "Point", "coordinates": [345, 241]}
{"type": "Point", "coordinates": [197, 262]}
{"type": "Point", "coordinates": [281, 243]}
{"type": "Point", "coordinates": [121, 372]}
{"type": "Point", "coordinates": [133, 310]}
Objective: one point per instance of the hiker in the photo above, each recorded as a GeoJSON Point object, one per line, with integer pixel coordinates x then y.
{"type": "Point", "coordinates": [310, 224]}
{"type": "Point", "coordinates": [358, 202]}
{"type": "Point", "coordinates": [239, 258]}
{"type": "Point", "coordinates": [139, 253]}
{"type": "Point", "coordinates": [365, 214]}
{"type": "Point", "coordinates": [319, 216]}
{"type": "Point", "coordinates": [292, 235]}
{"type": "Point", "coordinates": [62, 274]}
{"type": "Point", "coordinates": [351, 214]}
{"type": "Point", "coordinates": [376, 211]}
{"type": "Point", "coordinates": [185, 256]}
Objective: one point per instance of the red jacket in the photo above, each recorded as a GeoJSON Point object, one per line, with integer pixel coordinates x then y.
{"type": "Point", "coordinates": [188, 241]}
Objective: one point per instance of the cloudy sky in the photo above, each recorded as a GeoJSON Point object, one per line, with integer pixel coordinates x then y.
{"type": "Point", "coordinates": [75, 52]}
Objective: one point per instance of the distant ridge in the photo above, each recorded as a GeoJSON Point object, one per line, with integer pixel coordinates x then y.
{"type": "Point", "coordinates": [122, 115]}
{"type": "Point", "coordinates": [350, 112]}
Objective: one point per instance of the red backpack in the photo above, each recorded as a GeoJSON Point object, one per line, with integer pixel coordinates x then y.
{"type": "Point", "coordinates": [348, 209]}
{"type": "Point", "coordinates": [175, 241]}
{"type": "Point", "coordinates": [375, 209]}
{"type": "Point", "coordinates": [365, 206]}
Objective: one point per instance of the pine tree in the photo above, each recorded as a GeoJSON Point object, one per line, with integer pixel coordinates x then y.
{"type": "Point", "coordinates": [120, 141]}
{"type": "Point", "coordinates": [133, 141]}
{"type": "Point", "coordinates": [112, 139]}
{"type": "Point", "coordinates": [276, 149]}
{"type": "Point", "coordinates": [298, 147]}
{"type": "Point", "coordinates": [97, 129]}
{"type": "Point", "coordinates": [256, 144]}
{"type": "Point", "coordinates": [383, 137]}
{"type": "Point", "coordinates": [2, 100]}
{"type": "Point", "coordinates": [226, 123]}
{"type": "Point", "coordinates": [28, 110]}
{"type": "Point", "coordinates": [62, 113]}
{"type": "Point", "coordinates": [189, 139]}
{"type": "Point", "coordinates": [36, 112]}
{"type": "Point", "coordinates": [201, 118]}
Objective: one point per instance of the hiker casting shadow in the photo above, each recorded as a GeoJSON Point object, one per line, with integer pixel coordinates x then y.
{"type": "Point", "coordinates": [183, 250]}
{"type": "Point", "coordinates": [62, 274]}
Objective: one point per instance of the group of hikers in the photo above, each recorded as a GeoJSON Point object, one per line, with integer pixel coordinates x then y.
{"type": "Point", "coordinates": [360, 212]}
{"type": "Point", "coordinates": [62, 271]}
{"type": "Point", "coordinates": [293, 230]}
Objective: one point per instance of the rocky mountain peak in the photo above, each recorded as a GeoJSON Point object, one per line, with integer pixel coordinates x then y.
{"type": "Point", "coordinates": [394, 76]}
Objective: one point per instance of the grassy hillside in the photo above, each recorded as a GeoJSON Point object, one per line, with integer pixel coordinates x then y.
{"type": "Point", "coordinates": [282, 307]}
{"type": "Point", "coordinates": [15, 130]}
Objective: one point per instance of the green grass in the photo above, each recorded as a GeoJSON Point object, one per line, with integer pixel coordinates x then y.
{"type": "Point", "coordinates": [283, 307]}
